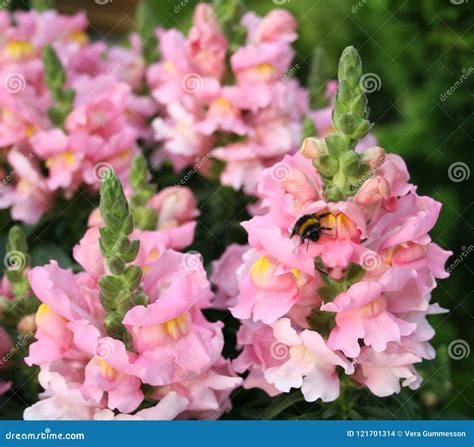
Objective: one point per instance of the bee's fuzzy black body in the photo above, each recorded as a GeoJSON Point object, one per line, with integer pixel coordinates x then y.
{"type": "Point", "coordinates": [308, 227]}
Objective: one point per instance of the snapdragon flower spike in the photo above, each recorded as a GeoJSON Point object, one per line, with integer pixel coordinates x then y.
{"type": "Point", "coordinates": [352, 301]}
{"type": "Point", "coordinates": [69, 109]}
{"type": "Point", "coordinates": [17, 308]}
{"type": "Point", "coordinates": [100, 343]}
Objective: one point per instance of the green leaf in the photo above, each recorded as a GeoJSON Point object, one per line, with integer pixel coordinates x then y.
{"type": "Point", "coordinates": [354, 273]}
{"type": "Point", "coordinates": [147, 23]}
{"type": "Point", "coordinates": [309, 129]}
{"type": "Point", "coordinates": [281, 403]}
{"type": "Point", "coordinates": [55, 79]}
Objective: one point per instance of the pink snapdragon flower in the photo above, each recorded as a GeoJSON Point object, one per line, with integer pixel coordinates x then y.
{"type": "Point", "coordinates": [5, 347]}
{"type": "Point", "coordinates": [224, 275]}
{"type": "Point", "coordinates": [206, 45]}
{"type": "Point", "coordinates": [377, 326]}
{"type": "Point", "coordinates": [311, 365]}
{"type": "Point", "coordinates": [97, 136]}
{"type": "Point", "coordinates": [277, 25]}
{"type": "Point", "coordinates": [87, 374]}
{"type": "Point", "coordinates": [24, 188]}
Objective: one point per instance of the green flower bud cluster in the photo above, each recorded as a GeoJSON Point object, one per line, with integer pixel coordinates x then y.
{"type": "Point", "coordinates": [145, 218]}
{"type": "Point", "coordinates": [16, 262]}
{"type": "Point", "coordinates": [340, 166]}
{"type": "Point", "coordinates": [55, 78]}
{"type": "Point", "coordinates": [119, 291]}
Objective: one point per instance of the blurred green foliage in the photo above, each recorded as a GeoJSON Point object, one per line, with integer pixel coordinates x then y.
{"type": "Point", "coordinates": [419, 50]}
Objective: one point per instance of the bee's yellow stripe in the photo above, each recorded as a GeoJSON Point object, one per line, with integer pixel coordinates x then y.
{"type": "Point", "coordinates": [309, 222]}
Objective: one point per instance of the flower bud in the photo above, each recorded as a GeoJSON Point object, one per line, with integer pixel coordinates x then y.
{"type": "Point", "coordinates": [374, 157]}
{"type": "Point", "coordinates": [27, 324]}
{"type": "Point", "coordinates": [313, 148]}
{"type": "Point", "coordinates": [409, 252]}
{"type": "Point", "coordinates": [277, 25]}
{"type": "Point", "coordinates": [175, 206]}
{"type": "Point", "coordinates": [373, 191]}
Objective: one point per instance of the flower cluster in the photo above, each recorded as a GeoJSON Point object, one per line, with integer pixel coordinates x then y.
{"type": "Point", "coordinates": [127, 342]}
{"type": "Point", "coordinates": [249, 114]}
{"type": "Point", "coordinates": [336, 282]}
{"type": "Point", "coordinates": [363, 309]}
{"type": "Point", "coordinates": [68, 109]}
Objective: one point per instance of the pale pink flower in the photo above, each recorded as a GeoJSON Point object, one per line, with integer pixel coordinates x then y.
{"type": "Point", "coordinates": [277, 25]}
{"type": "Point", "coordinates": [87, 373]}
{"type": "Point", "coordinates": [24, 189]}
{"type": "Point", "coordinates": [206, 46]}
{"type": "Point", "coordinates": [224, 275]}
{"type": "Point", "coordinates": [311, 364]}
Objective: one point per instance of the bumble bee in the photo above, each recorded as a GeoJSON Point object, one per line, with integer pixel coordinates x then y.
{"type": "Point", "coordinates": [309, 227]}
